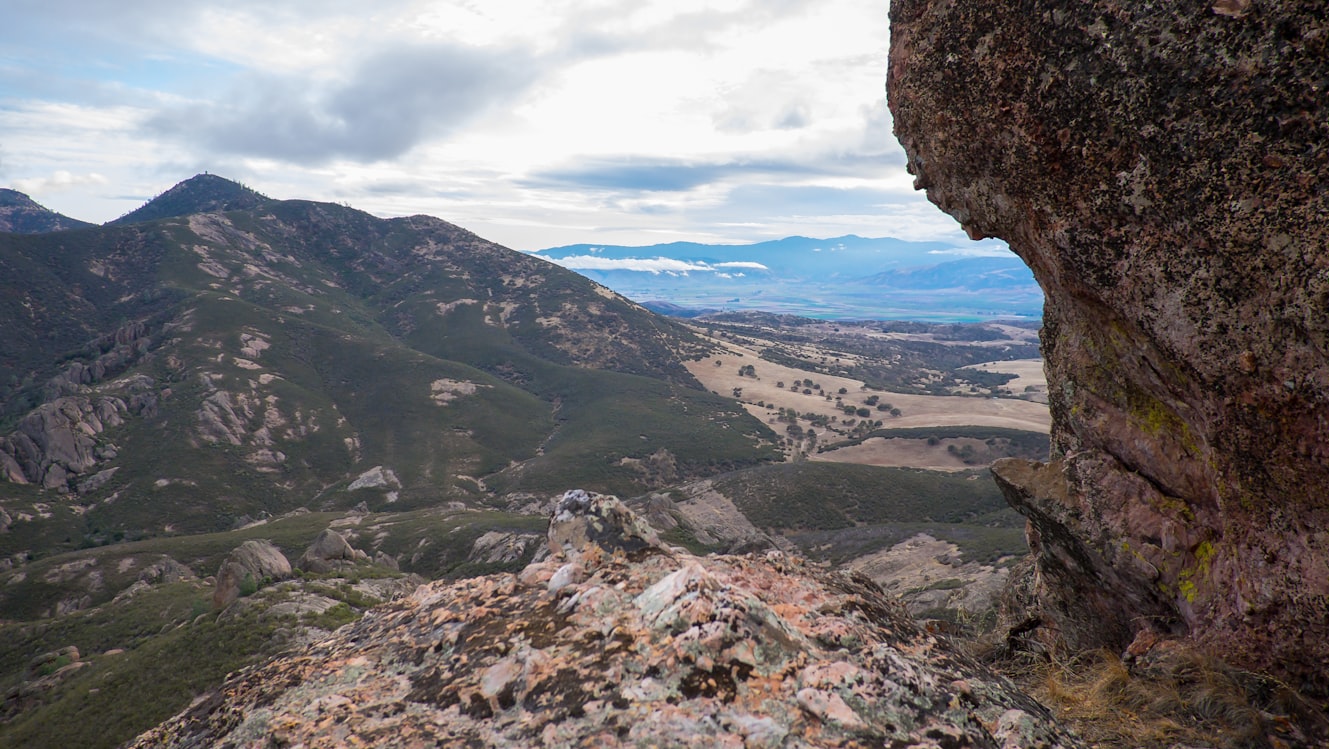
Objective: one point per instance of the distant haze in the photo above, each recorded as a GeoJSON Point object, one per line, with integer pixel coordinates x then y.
{"type": "Point", "coordinates": [843, 278]}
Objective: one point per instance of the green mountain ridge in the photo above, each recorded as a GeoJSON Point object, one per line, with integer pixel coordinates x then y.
{"type": "Point", "coordinates": [179, 373]}
{"type": "Point", "coordinates": [202, 193]}
{"type": "Point", "coordinates": [20, 214]}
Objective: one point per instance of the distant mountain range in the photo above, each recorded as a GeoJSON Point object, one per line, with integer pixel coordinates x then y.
{"type": "Point", "coordinates": [848, 277]}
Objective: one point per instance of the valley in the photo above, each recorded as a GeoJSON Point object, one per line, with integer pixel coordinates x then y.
{"type": "Point", "coordinates": [806, 383]}
{"type": "Point", "coordinates": [230, 424]}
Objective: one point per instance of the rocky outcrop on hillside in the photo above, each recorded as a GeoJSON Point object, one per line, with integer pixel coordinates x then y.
{"type": "Point", "coordinates": [250, 565]}
{"type": "Point", "coordinates": [57, 442]}
{"type": "Point", "coordinates": [330, 551]}
{"type": "Point", "coordinates": [1164, 170]}
{"type": "Point", "coordinates": [617, 640]}
{"type": "Point", "coordinates": [109, 355]}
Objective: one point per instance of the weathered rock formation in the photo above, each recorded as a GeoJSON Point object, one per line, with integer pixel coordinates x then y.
{"type": "Point", "coordinates": [330, 551]}
{"type": "Point", "coordinates": [57, 441]}
{"type": "Point", "coordinates": [1164, 170]}
{"type": "Point", "coordinates": [245, 568]}
{"type": "Point", "coordinates": [617, 640]}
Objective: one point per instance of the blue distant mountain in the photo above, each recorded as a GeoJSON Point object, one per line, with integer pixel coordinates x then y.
{"type": "Point", "coordinates": [848, 277]}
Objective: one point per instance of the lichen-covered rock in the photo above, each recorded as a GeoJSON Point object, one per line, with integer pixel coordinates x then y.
{"type": "Point", "coordinates": [586, 521]}
{"type": "Point", "coordinates": [246, 568]}
{"type": "Point", "coordinates": [1164, 170]}
{"type": "Point", "coordinates": [616, 641]}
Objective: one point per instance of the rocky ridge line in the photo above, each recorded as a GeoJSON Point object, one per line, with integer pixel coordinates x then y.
{"type": "Point", "coordinates": [618, 640]}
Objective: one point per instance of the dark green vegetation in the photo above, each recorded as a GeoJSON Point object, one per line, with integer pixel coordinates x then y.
{"type": "Point", "coordinates": [827, 496]}
{"type": "Point", "coordinates": [20, 215]}
{"type": "Point", "coordinates": [897, 356]}
{"type": "Point", "coordinates": [836, 512]}
{"type": "Point", "coordinates": [263, 359]}
{"type": "Point", "coordinates": [202, 194]}
{"type": "Point", "coordinates": [175, 644]}
{"type": "Point", "coordinates": [997, 442]}
{"type": "Point", "coordinates": [173, 648]}
{"type": "Point", "coordinates": [218, 358]}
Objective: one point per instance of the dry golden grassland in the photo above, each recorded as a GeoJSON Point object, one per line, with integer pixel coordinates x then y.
{"type": "Point", "coordinates": [720, 373]}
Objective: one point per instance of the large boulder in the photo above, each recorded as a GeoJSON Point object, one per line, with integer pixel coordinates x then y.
{"type": "Point", "coordinates": [1164, 170]}
{"type": "Point", "coordinates": [330, 551]}
{"type": "Point", "coordinates": [646, 646]}
{"type": "Point", "coordinates": [246, 568]}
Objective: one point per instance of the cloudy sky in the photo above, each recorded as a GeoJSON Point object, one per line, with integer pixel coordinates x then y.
{"type": "Point", "coordinates": [531, 122]}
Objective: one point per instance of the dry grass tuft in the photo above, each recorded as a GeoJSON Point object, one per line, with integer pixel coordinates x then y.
{"type": "Point", "coordinates": [1172, 696]}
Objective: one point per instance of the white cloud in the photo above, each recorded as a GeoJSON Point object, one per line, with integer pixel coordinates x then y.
{"type": "Point", "coordinates": [984, 249]}
{"type": "Point", "coordinates": [60, 180]}
{"type": "Point", "coordinates": [534, 123]}
{"type": "Point", "coordinates": [648, 265]}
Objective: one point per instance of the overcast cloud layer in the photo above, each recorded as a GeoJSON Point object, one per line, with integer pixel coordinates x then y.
{"type": "Point", "coordinates": [533, 123]}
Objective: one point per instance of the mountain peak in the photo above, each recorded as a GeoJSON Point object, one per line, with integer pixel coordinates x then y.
{"type": "Point", "coordinates": [20, 214]}
{"type": "Point", "coordinates": [15, 199]}
{"type": "Point", "coordinates": [202, 193]}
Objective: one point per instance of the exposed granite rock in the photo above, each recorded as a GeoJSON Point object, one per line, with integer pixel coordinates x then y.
{"type": "Point", "coordinates": [711, 517]}
{"type": "Point", "coordinates": [375, 478]}
{"type": "Point", "coordinates": [641, 646]}
{"type": "Point", "coordinates": [56, 441]}
{"type": "Point", "coordinates": [115, 352]}
{"type": "Point", "coordinates": [330, 551]}
{"type": "Point", "coordinates": [247, 565]}
{"type": "Point", "coordinates": [931, 578]}
{"type": "Point", "coordinates": [56, 445]}
{"type": "Point", "coordinates": [498, 547]}
{"type": "Point", "coordinates": [581, 521]}
{"type": "Point", "coordinates": [165, 570]}
{"type": "Point", "coordinates": [10, 470]}
{"type": "Point", "coordinates": [1164, 170]}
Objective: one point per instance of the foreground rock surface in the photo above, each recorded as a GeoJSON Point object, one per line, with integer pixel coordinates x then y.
{"type": "Point", "coordinates": [1164, 170]}
{"type": "Point", "coordinates": [616, 640]}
